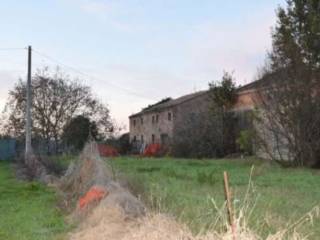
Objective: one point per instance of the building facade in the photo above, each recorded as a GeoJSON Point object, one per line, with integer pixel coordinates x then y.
{"type": "Point", "coordinates": [156, 123]}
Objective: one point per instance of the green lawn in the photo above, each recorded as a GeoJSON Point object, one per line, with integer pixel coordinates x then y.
{"type": "Point", "coordinates": [184, 188]}
{"type": "Point", "coordinates": [27, 209]}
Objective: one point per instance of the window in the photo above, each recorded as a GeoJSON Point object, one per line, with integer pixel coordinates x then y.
{"type": "Point", "coordinates": [141, 138]}
{"type": "Point", "coordinates": [134, 122]}
{"type": "Point", "coordinates": [141, 120]}
{"type": "Point", "coordinates": [169, 116]}
{"type": "Point", "coordinates": [157, 118]}
{"type": "Point", "coordinates": [134, 138]}
{"type": "Point", "coordinates": [153, 138]}
{"type": "Point", "coordinates": [152, 119]}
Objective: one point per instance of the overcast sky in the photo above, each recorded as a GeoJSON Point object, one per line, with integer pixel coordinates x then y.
{"type": "Point", "coordinates": [137, 51]}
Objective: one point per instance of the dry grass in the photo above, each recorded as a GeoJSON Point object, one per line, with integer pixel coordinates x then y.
{"type": "Point", "coordinates": [109, 221]}
{"type": "Point", "coordinates": [120, 214]}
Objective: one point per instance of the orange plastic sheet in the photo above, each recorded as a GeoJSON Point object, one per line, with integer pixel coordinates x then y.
{"type": "Point", "coordinates": [94, 195]}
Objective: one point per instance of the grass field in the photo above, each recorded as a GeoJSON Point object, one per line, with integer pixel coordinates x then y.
{"type": "Point", "coordinates": [27, 210]}
{"type": "Point", "coordinates": [185, 187]}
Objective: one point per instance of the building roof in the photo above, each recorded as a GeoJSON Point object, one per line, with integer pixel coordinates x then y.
{"type": "Point", "coordinates": [169, 102]}
{"type": "Point", "coordinates": [265, 81]}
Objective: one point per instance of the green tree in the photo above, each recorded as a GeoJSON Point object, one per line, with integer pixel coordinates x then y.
{"type": "Point", "coordinates": [78, 131]}
{"type": "Point", "coordinates": [223, 93]}
{"type": "Point", "coordinates": [296, 37]}
{"type": "Point", "coordinates": [223, 96]}
{"type": "Point", "coordinates": [124, 143]}
{"type": "Point", "coordinates": [291, 100]}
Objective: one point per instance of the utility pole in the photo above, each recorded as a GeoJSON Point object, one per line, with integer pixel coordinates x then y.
{"type": "Point", "coordinates": [28, 110]}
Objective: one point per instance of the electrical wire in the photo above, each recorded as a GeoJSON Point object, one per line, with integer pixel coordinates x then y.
{"type": "Point", "coordinates": [90, 76]}
{"type": "Point", "coordinates": [9, 49]}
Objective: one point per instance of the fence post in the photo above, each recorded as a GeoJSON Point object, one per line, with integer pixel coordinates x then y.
{"type": "Point", "coordinates": [229, 205]}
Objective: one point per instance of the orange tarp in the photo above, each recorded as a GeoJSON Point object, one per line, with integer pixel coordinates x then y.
{"type": "Point", "coordinates": [107, 151]}
{"type": "Point", "coordinates": [94, 195]}
{"type": "Point", "coordinates": [152, 150]}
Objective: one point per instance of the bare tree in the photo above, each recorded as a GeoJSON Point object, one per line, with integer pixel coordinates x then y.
{"type": "Point", "coordinates": [56, 100]}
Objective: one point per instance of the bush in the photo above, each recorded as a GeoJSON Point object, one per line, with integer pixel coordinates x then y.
{"type": "Point", "coordinates": [154, 150]}
{"type": "Point", "coordinates": [245, 141]}
{"type": "Point", "coordinates": [122, 144]}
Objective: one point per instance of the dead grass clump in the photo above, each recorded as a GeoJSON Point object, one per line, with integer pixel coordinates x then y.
{"type": "Point", "coordinates": [103, 223]}
{"type": "Point", "coordinates": [110, 223]}
{"type": "Point", "coordinates": [107, 222]}
{"type": "Point", "coordinates": [158, 227]}
{"type": "Point", "coordinates": [88, 174]}
{"type": "Point", "coordinates": [87, 171]}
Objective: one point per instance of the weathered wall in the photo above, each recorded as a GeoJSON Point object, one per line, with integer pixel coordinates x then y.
{"type": "Point", "coordinates": [245, 100]}
{"type": "Point", "coordinates": [179, 112]}
{"type": "Point", "coordinates": [147, 128]}
{"type": "Point", "coordinates": [195, 105]}
{"type": "Point", "coordinates": [270, 145]}
{"type": "Point", "coordinates": [267, 145]}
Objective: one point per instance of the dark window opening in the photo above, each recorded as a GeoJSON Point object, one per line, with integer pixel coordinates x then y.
{"type": "Point", "coordinates": [134, 122]}
{"type": "Point", "coordinates": [141, 120]}
{"type": "Point", "coordinates": [134, 138]}
{"type": "Point", "coordinates": [153, 138]}
{"type": "Point", "coordinates": [141, 138]}
{"type": "Point", "coordinates": [152, 119]}
{"type": "Point", "coordinates": [157, 118]}
{"type": "Point", "coordinates": [169, 116]}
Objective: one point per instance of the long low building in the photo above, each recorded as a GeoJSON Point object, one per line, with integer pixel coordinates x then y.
{"type": "Point", "coordinates": [156, 123]}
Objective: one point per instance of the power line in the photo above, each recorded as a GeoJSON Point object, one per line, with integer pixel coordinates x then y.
{"type": "Point", "coordinates": [90, 76]}
{"type": "Point", "coordinates": [80, 72]}
{"type": "Point", "coordinates": [9, 49]}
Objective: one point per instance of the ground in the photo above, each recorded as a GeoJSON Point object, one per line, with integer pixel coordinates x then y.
{"type": "Point", "coordinates": [28, 209]}
{"type": "Point", "coordinates": [185, 188]}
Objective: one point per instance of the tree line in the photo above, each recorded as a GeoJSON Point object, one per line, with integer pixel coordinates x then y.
{"type": "Point", "coordinates": [64, 112]}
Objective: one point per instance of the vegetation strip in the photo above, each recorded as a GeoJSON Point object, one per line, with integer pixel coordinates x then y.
{"type": "Point", "coordinates": [28, 209]}
{"type": "Point", "coordinates": [184, 188]}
